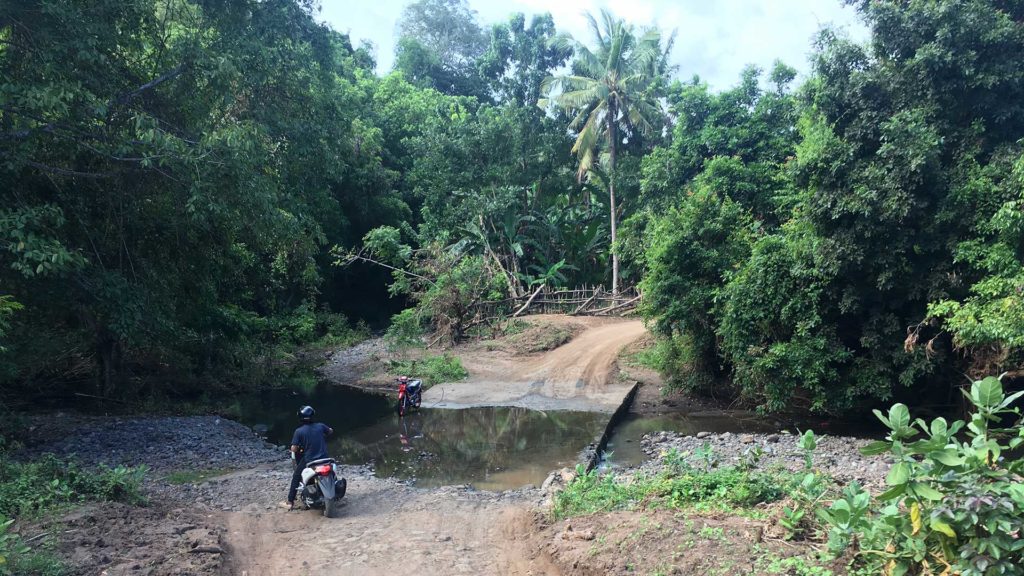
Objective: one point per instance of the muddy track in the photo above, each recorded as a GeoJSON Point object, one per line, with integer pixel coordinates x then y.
{"type": "Point", "coordinates": [580, 375]}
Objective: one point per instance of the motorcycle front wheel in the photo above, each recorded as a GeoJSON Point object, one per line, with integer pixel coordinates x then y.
{"type": "Point", "coordinates": [331, 507]}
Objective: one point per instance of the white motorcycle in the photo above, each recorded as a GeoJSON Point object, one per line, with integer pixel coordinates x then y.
{"type": "Point", "coordinates": [321, 487]}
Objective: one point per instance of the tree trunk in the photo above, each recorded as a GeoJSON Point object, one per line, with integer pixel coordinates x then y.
{"type": "Point", "coordinates": [108, 350]}
{"type": "Point", "coordinates": [612, 137]}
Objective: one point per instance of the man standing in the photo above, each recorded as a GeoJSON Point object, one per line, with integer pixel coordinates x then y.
{"type": "Point", "coordinates": [309, 443]}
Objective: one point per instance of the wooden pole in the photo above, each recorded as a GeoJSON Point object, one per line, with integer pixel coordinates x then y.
{"type": "Point", "coordinates": [528, 302]}
{"type": "Point", "coordinates": [616, 306]}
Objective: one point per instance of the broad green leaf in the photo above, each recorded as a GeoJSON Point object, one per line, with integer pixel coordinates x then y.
{"type": "Point", "coordinates": [899, 475]}
{"type": "Point", "coordinates": [1011, 399]}
{"type": "Point", "coordinates": [893, 492]}
{"type": "Point", "coordinates": [876, 448]}
{"type": "Point", "coordinates": [880, 416]}
{"type": "Point", "coordinates": [949, 457]}
{"type": "Point", "coordinates": [940, 526]}
{"type": "Point", "coordinates": [807, 441]}
{"type": "Point", "coordinates": [925, 491]}
{"type": "Point", "coordinates": [987, 393]}
{"type": "Point", "coordinates": [899, 416]}
{"type": "Point", "coordinates": [840, 516]}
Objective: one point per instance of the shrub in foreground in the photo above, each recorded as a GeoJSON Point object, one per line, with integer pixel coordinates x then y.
{"type": "Point", "coordinates": [955, 503]}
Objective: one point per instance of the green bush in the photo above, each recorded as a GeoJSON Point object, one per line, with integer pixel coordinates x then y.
{"type": "Point", "coordinates": [693, 250]}
{"type": "Point", "coordinates": [432, 369]}
{"type": "Point", "coordinates": [955, 503]}
{"type": "Point", "coordinates": [31, 487]}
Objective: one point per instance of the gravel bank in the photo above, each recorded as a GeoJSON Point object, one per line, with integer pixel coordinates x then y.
{"type": "Point", "coordinates": [837, 456]}
{"type": "Point", "coordinates": [164, 444]}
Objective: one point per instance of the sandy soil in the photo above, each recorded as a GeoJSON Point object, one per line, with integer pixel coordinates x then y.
{"type": "Point", "coordinates": [580, 375]}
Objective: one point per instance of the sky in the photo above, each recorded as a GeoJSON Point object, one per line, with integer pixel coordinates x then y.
{"type": "Point", "coordinates": [715, 38]}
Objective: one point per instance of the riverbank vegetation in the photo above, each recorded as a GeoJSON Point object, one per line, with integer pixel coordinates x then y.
{"type": "Point", "coordinates": [45, 485]}
{"type": "Point", "coordinates": [951, 501]}
{"type": "Point", "coordinates": [193, 190]}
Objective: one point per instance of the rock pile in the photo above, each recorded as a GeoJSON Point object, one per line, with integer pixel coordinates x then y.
{"type": "Point", "coordinates": [837, 456]}
{"type": "Point", "coordinates": [164, 443]}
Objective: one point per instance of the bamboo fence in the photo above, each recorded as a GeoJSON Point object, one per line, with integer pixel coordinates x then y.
{"type": "Point", "coordinates": [582, 301]}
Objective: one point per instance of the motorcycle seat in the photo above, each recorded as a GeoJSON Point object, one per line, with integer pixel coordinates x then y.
{"type": "Point", "coordinates": [414, 385]}
{"type": "Point", "coordinates": [320, 462]}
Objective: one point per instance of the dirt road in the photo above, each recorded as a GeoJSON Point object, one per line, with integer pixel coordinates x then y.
{"type": "Point", "coordinates": [577, 376]}
{"type": "Point", "coordinates": [384, 529]}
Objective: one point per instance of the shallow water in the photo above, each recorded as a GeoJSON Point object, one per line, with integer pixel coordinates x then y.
{"type": "Point", "coordinates": [624, 446]}
{"type": "Point", "coordinates": [492, 448]}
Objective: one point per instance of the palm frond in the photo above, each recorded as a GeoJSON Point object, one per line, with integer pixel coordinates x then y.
{"type": "Point", "coordinates": [595, 29]}
{"type": "Point", "coordinates": [580, 98]}
{"type": "Point", "coordinates": [587, 63]}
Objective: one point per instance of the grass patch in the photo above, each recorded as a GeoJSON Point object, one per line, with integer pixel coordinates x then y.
{"type": "Point", "coordinates": [542, 337]}
{"type": "Point", "coordinates": [195, 476]}
{"type": "Point", "coordinates": [431, 369]}
{"type": "Point", "coordinates": [654, 356]}
{"type": "Point", "coordinates": [770, 563]}
{"type": "Point", "coordinates": [697, 484]}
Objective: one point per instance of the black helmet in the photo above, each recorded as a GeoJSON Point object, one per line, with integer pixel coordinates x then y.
{"type": "Point", "coordinates": [306, 413]}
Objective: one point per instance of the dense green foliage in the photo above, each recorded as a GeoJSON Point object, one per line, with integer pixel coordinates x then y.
{"type": "Point", "coordinates": [174, 187]}
{"type": "Point", "coordinates": [878, 244]}
{"type": "Point", "coordinates": [954, 503]}
{"type": "Point", "coordinates": [172, 172]}
{"type": "Point", "coordinates": [181, 176]}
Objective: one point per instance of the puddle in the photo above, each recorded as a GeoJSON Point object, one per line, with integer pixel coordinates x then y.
{"type": "Point", "coordinates": [492, 448]}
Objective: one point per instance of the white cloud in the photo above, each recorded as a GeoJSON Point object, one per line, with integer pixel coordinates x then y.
{"type": "Point", "coordinates": [715, 38]}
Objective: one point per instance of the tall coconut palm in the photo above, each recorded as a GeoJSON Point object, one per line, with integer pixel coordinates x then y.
{"type": "Point", "coordinates": [612, 95]}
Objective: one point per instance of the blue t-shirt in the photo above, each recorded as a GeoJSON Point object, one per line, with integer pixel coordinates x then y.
{"type": "Point", "coordinates": [311, 440]}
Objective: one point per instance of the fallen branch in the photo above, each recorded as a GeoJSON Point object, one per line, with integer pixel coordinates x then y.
{"type": "Point", "coordinates": [65, 172]}
{"type": "Point", "coordinates": [617, 306]}
{"type": "Point", "coordinates": [83, 395]}
{"type": "Point", "coordinates": [528, 302]}
{"type": "Point", "coordinates": [354, 257]}
{"type": "Point", "coordinates": [36, 537]}
{"type": "Point", "coordinates": [586, 303]}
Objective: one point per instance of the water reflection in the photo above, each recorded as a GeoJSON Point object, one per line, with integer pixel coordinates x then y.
{"type": "Point", "coordinates": [492, 448]}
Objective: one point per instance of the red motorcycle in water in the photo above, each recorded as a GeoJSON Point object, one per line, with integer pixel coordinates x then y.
{"type": "Point", "coordinates": [410, 394]}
